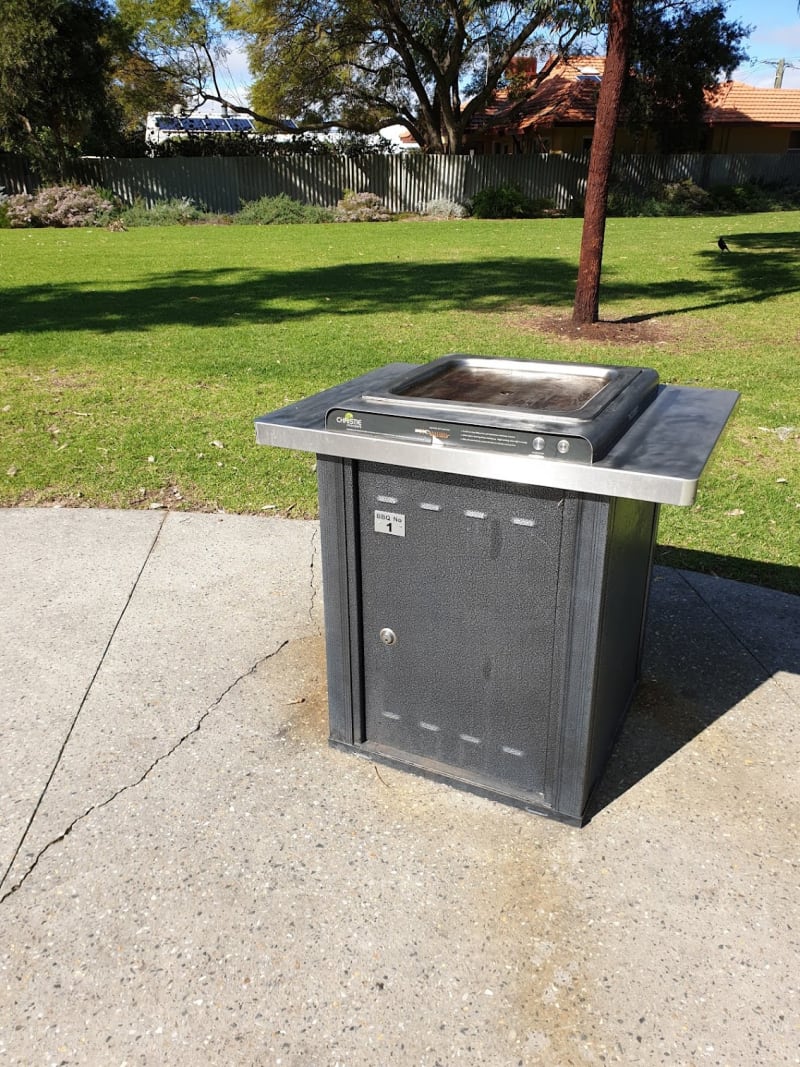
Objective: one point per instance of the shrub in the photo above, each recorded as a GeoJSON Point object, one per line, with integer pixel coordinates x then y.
{"type": "Point", "coordinates": [173, 212]}
{"type": "Point", "coordinates": [445, 209]}
{"type": "Point", "coordinates": [280, 210]}
{"type": "Point", "coordinates": [18, 210]}
{"type": "Point", "coordinates": [62, 206]}
{"type": "Point", "coordinates": [624, 202]}
{"type": "Point", "coordinates": [509, 202]}
{"type": "Point", "coordinates": [783, 197]}
{"type": "Point", "coordinates": [685, 197]}
{"type": "Point", "coordinates": [731, 199]}
{"type": "Point", "coordinates": [360, 207]}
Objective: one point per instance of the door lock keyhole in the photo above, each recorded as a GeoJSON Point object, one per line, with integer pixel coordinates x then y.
{"type": "Point", "coordinates": [389, 637]}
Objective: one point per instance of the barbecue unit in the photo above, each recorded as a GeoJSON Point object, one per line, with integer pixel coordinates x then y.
{"type": "Point", "coordinates": [487, 532]}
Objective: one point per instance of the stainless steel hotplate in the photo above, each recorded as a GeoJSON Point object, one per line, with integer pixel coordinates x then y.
{"type": "Point", "coordinates": [540, 387]}
{"type": "Point", "coordinates": [562, 411]}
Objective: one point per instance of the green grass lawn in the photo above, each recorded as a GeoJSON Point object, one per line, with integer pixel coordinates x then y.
{"type": "Point", "coordinates": [132, 364]}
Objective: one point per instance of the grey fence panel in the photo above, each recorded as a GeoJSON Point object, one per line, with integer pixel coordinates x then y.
{"type": "Point", "coordinates": [637, 175]}
{"type": "Point", "coordinates": [736, 170]}
{"type": "Point", "coordinates": [16, 176]}
{"type": "Point", "coordinates": [304, 178]}
{"type": "Point", "coordinates": [370, 174]}
{"type": "Point", "coordinates": [410, 182]}
{"type": "Point", "coordinates": [434, 178]}
{"type": "Point", "coordinates": [404, 182]}
{"type": "Point", "coordinates": [149, 180]}
{"type": "Point", "coordinates": [222, 184]}
{"type": "Point", "coordinates": [640, 173]}
{"type": "Point", "coordinates": [561, 179]}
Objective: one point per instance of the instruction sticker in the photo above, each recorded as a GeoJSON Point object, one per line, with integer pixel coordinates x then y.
{"type": "Point", "coordinates": [390, 522]}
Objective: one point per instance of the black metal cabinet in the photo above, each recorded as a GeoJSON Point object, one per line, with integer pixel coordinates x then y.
{"type": "Point", "coordinates": [479, 632]}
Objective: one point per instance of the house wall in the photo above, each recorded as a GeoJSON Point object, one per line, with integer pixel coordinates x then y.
{"type": "Point", "coordinates": [749, 139]}
{"type": "Point", "coordinates": [725, 138]}
{"type": "Point", "coordinates": [569, 140]}
{"type": "Point", "coordinates": [564, 139]}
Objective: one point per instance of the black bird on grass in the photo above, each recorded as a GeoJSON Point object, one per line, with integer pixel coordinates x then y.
{"type": "Point", "coordinates": [722, 245]}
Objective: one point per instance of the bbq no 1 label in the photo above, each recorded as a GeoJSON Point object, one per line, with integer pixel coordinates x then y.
{"type": "Point", "coordinates": [390, 522]}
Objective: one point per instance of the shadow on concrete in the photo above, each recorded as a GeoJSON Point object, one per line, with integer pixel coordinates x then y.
{"type": "Point", "coordinates": [770, 575]}
{"type": "Point", "coordinates": [709, 644]}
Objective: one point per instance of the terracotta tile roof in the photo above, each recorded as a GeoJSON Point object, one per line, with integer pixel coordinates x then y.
{"type": "Point", "coordinates": [735, 102]}
{"type": "Point", "coordinates": [568, 95]}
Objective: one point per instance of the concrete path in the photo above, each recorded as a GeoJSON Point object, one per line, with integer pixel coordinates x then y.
{"type": "Point", "coordinates": [191, 876]}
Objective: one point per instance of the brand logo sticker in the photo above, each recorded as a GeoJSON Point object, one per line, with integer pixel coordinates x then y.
{"type": "Point", "coordinates": [349, 420]}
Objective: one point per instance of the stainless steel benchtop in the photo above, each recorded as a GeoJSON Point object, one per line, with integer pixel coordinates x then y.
{"type": "Point", "coordinates": [660, 458]}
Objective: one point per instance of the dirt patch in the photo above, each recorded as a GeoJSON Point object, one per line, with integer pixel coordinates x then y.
{"type": "Point", "coordinates": [45, 498]}
{"type": "Point", "coordinates": [170, 497]}
{"type": "Point", "coordinates": [304, 664]}
{"type": "Point", "coordinates": [60, 382]}
{"type": "Point", "coordinates": [636, 330]}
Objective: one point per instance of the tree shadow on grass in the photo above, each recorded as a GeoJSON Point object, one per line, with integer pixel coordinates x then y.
{"type": "Point", "coordinates": [783, 241]}
{"type": "Point", "coordinates": [760, 267]}
{"type": "Point", "coordinates": [781, 576]}
{"type": "Point", "coordinates": [228, 296]}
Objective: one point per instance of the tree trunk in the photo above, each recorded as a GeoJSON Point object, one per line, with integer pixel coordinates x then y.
{"type": "Point", "coordinates": [587, 290]}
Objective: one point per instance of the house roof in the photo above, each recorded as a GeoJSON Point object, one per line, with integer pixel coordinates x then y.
{"type": "Point", "coordinates": [568, 96]}
{"type": "Point", "coordinates": [738, 103]}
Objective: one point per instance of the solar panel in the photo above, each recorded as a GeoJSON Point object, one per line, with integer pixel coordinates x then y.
{"type": "Point", "coordinates": [202, 124]}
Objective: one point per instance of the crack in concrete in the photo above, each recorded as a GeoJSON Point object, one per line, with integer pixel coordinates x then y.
{"type": "Point", "coordinates": [313, 583]}
{"type": "Point", "coordinates": [81, 705]}
{"type": "Point", "coordinates": [133, 785]}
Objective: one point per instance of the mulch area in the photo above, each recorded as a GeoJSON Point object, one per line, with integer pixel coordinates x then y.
{"type": "Point", "coordinates": [634, 331]}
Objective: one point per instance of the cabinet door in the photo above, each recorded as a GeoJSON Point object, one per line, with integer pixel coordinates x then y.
{"type": "Point", "coordinates": [458, 589]}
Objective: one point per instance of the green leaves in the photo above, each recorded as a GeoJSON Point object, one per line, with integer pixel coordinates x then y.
{"type": "Point", "coordinates": [55, 67]}
{"type": "Point", "coordinates": [677, 53]}
{"type": "Point", "coordinates": [356, 65]}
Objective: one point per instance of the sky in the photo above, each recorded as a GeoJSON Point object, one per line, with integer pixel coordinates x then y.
{"type": "Point", "coordinates": [776, 35]}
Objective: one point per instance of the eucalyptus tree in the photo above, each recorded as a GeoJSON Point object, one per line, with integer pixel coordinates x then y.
{"type": "Point", "coordinates": [429, 67]}
{"type": "Point", "coordinates": [587, 290]}
{"type": "Point", "coordinates": [356, 65]}
{"type": "Point", "coordinates": [183, 41]}
{"type": "Point", "coordinates": [56, 59]}
{"type": "Point", "coordinates": [661, 58]}
{"type": "Point", "coordinates": [679, 51]}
